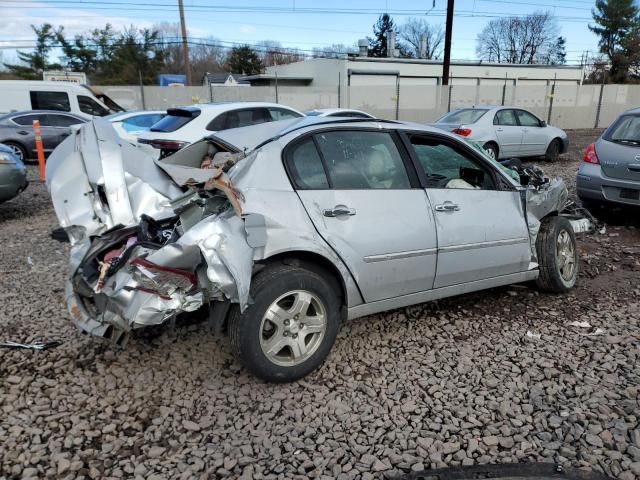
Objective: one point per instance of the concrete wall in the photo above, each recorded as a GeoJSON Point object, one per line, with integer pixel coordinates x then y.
{"type": "Point", "coordinates": [419, 100]}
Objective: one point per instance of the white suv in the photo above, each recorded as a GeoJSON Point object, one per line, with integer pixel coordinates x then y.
{"type": "Point", "coordinates": [184, 125]}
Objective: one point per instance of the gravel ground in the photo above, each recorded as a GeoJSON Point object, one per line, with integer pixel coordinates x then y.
{"type": "Point", "coordinates": [441, 384]}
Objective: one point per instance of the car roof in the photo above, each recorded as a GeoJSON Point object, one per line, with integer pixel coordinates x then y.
{"type": "Point", "coordinates": [222, 106]}
{"type": "Point", "coordinates": [35, 112]}
{"type": "Point", "coordinates": [336, 110]}
{"type": "Point", "coordinates": [130, 113]}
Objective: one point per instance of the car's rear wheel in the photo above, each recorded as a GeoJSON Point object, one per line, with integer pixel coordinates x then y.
{"type": "Point", "coordinates": [18, 150]}
{"type": "Point", "coordinates": [491, 149]}
{"type": "Point", "coordinates": [290, 327]}
{"type": "Point", "coordinates": [557, 255]}
{"type": "Point", "coordinates": [553, 151]}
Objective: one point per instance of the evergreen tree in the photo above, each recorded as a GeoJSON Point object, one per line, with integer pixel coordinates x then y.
{"type": "Point", "coordinates": [378, 43]}
{"type": "Point", "coordinates": [34, 63]}
{"type": "Point", "coordinates": [245, 60]}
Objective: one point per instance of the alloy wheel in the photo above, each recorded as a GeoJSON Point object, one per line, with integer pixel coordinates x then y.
{"type": "Point", "coordinates": [566, 256]}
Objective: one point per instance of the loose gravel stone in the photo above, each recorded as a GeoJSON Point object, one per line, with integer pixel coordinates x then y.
{"type": "Point", "coordinates": [453, 382]}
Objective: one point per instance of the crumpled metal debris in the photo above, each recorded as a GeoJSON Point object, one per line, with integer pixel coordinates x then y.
{"type": "Point", "coordinates": [39, 345]}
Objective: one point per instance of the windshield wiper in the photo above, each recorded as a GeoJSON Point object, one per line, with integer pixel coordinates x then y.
{"type": "Point", "coordinates": [626, 140]}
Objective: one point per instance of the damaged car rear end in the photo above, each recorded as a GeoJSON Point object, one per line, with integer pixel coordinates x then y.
{"type": "Point", "coordinates": [325, 220]}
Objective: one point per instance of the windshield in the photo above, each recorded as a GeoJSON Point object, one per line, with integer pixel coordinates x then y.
{"type": "Point", "coordinates": [312, 113]}
{"type": "Point", "coordinates": [171, 123]}
{"type": "Point", "coordinates": [625, 130]}
{"type": "Point", "coordinates": [468, 115]}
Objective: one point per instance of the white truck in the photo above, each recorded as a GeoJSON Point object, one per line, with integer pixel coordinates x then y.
{"type": "Point", "coordinates": [17, 95]}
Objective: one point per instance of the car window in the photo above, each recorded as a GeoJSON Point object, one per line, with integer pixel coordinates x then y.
{"type": "Point", "coordinates": [624, 130]}
{"type": "Point", "coordinates": [89, 106]}
{"type": "Point", "coordinates": [53, 120]}
{"type": "Point", "coordinates": [506, 118]}
{"type": "Point", "coordinates": [27, 120]}
{"type": "Point", "coordinates": [50, 101]}
{"type": "Point", "coordinates": [362, 160]}
{"type": "Point", "coordinates": [239, 118]}
{"type": "Point", "coordinates": [349, 115]}
{"type": "Point", "coordinates": [174, 120]}
{"type": "Point", "coordinates": [467, 115]}
{"type": "Point", "coordinates": [141, 122]}
{"type": "Point", "coordinates": [282, 114]}
{"type": "Point", "coordinates": [448, 167]}
{"type": "Point", "coordinates": [526, 119]}
{"type": "Point", "coordinates": [306, 166]}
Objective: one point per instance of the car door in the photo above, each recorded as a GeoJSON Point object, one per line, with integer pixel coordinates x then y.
{"type": "Point", "coordinates": [508, 133]}
{"type": "Point", "coordinates": [23, 132]}
{"type": "Point", "coordinates": [534, 134]}
{"type": "Point", "coordinates": [480, 221]}
{"type": "Point", "coordinates": [56, 127]}
{"type": "Point", "coordinates": [368, 207]}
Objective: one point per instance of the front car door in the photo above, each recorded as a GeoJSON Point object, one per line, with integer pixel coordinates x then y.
{"type": "Point", "coordinates": [508, 132]}
{"type": "Point", "coordinates": [534, 136]}
{"type": "Point", "coordinates": [480, 220]}
{"type": "Point", "coordinates": [369, 207]}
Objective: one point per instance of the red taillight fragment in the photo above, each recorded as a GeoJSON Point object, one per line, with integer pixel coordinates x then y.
{"type": "Point", "coordinates": [465, 132]}
{"type": "Point", "coordinates": [590, 155]}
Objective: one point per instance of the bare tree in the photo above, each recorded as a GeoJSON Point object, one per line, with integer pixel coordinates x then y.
{"type": "Point", "coordinates": [413, 31]}
{"type": "Point", "coordinates": [335, 50]}
{"type": "Point", "coordinates": [273, 53]}
{"type": "Point", "coordinates": [522, 40]}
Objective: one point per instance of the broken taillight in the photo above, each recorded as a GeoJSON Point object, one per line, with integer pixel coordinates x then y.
{"type": "Point", "coordinates": [163, 144]}
{"type": "Point", "coordinates": [465, 132]}
{"type": "Point", "coordinates": [590, 155]}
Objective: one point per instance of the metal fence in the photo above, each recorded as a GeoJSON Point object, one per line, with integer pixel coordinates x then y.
{"type": "Point", "coordinates": [566, 106]}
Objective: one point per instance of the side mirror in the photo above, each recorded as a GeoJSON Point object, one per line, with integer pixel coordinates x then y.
{"type": "Point", "coordinates": [543, 123]}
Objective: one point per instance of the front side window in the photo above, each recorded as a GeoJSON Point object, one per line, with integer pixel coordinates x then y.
{"type": "Point", "coordinates": [506, 118]}
{"type": "Point", "coordinates": [89, 106]}
{"type": "Point", "coordinates": [50, 101]}
{"type": "Point", "coordinates": [447, 167]}
{"type": "Point", "coordinates": [362, 160]}
{"type": "Point", "coordinates": [282, 114]}
{"type": "Point", "coordinates": [526, 119]}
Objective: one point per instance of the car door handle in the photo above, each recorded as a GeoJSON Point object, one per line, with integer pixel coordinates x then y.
{"type": "Point", "coordinates": [23, 132]}
{"type": "Point", "coordinates": [447, 207]}
{"type": "Point", "coordinates": [499, 130]}
{"type": "Point", "coordinates": [525, 129]}
{"type": "Point", "coordinates": [338, 211]}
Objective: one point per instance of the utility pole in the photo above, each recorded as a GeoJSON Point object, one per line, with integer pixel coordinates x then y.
{"type": "Point", "coordinates": [447, 44]}
{"type": "Point", "coordinates": [185, 45]}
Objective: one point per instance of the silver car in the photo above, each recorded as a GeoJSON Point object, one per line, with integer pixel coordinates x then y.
{"type": "Point", "coordinates": [610, 167]}
{"type": "Point", "coordinates": [284, 230]}
{"type": "Point", "coordinates": [507, 132]}
{"type": "Point", "coordinates": [13, 174]}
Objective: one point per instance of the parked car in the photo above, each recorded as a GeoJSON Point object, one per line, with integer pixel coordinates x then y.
{"type": "Point", "coordinates": [16, 130]}
{"type": "Point", "coordinates": [507, 132]}
{"type": "Point", "coordinates": [326, 219]}
{"type": "Point", "coordinates": [610, 167]}
{"type": "Point", "coordinates": [130, 125]}
{"type": "Point", "coordinates": [338, 112]}
{"type": "Point", "coordinates": [17, 95]}
{"type": "Point", "coordinates": [186, 125]}
{"type": "Point", "coordinates": [13, 174]}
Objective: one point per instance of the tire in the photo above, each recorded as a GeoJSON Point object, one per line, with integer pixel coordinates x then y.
{"type": "Point", "coordinates": [491, 149]}
{"type": "Point", "coordinates": [553, 151]}
{"type": "Point", "coordinates": [279, 288]}
{"type": "Point", "coordinates": [556, 273]}
{"type": "Point", "coordinates": [18, 149]}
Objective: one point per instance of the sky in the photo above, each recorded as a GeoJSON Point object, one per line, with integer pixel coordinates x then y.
{"type": "Point", "coordinates": [288, 21]}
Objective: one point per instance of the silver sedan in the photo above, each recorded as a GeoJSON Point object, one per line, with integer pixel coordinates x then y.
{"type": "Point", "coordinates": [13, 175]}
{"type": "Point", "coordinates": [284, 230]}
{"type": "Point", "coordinates": [507, 132]}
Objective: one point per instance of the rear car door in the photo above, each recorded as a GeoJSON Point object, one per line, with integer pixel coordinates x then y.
{"type": "Point", "coordinates": [535, 137]}
{"type": "Point", "coordinates": [480, 221]}
{"type": "Point", "coordinates": [55, 128]}
{"type": "Point", "coordinates": [508, 132]}
{"type": "Point", "coordinates": [368, 207]}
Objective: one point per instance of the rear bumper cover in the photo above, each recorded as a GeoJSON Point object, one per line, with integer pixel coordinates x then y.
{"type": "Point", "coordinates": [593, 184]}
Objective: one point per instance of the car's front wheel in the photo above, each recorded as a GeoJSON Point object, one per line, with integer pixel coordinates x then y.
{"type": "Point", "coordinates": [290, 327]}
{"type": "Point", "coordinates": [557, 255]}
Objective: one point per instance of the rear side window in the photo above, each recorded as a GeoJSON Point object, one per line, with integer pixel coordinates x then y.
{"type": "Point", "coordinates": [468, 115]}
{"type": "Point", "coordinates": [52, 120]}
{"type": "Point", "coordinates": [27, 120]}
{"type": "Point", "coordinates": [506, 118]}
{"type": "Point", "coordinates": [282, 114]}
{"type": "Point", "coordinates": [89, 106]}
{"type": "Point", "coordinates": [239, 118]}
{"type": "Point", "coordinates": [306, 167]}
{"type": "Point", "coordinates": [362, 160]}
{"type": "Point", "coordinates": [141, 122]}
{"type": "Point", "coordinates": [171, 123]}
{"type": "Point", "coordinates": [50, 101]}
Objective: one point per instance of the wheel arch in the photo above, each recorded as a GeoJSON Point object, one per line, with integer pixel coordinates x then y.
{"type": "Point", "coordinates": [495, 144]}
{"type": "Point", "coordinates": [20, 144]}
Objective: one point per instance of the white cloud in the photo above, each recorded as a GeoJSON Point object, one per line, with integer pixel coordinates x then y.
{"type": "Point", "coordinates": [247, 29]}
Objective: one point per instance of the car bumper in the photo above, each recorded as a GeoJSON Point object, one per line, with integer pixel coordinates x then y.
{"type": "Point", "coordinates": [593, 184]}
{"type": "Point", "coordinates": [12, 182]}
